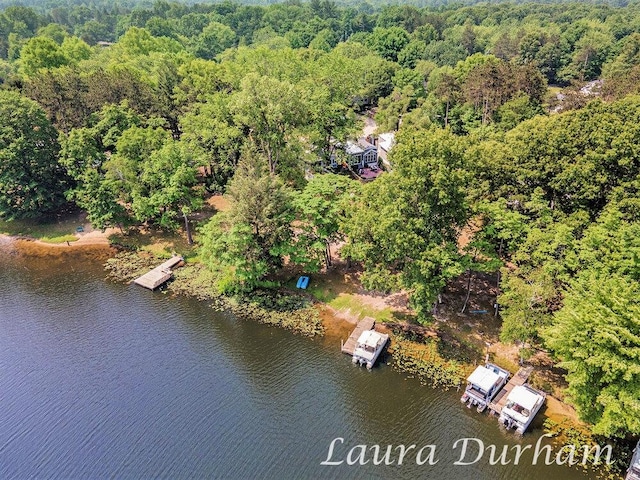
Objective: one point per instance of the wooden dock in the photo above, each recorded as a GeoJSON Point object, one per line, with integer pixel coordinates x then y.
{"type": "Point", "coordinates": [520, 378]}
{"type": "Point", "coordinates": [367, 323]}
{"type": "Point", "coordinates": [156, 277]}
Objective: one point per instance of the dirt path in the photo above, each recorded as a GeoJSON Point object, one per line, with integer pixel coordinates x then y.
{"type": "Point", "coordinates": [370, 125]}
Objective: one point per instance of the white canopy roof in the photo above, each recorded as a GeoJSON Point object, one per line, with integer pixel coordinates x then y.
{"type": "Point", "coordinates": [523, 397]}
{"type": "Point", "coordinates": [386, 140]}
{"type": "Point", "coordinates": [369, 338]}
{"type": "Point", "coordinates": [483, 378]}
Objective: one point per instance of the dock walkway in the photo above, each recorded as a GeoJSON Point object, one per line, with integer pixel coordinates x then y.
{"type": "Point", "coordinates": [519, 378]}
{"type": "Point", "coordinates": [367, 323]}
{"type": "Point", "coordinates": [156, 277]}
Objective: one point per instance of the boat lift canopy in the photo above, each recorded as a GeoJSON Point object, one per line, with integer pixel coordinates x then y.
{"type": "Point", "coordinates": [369, 338]}
{"type": "Point", "coordinates": [483, 378]}
{"type": "Point", "coordinates": [523, 397]}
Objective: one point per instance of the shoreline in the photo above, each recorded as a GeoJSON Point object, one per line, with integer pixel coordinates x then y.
{"type": "Point", "coordinates": [90, 238]}
{"type": "Point", "coordinates": [337, 324]}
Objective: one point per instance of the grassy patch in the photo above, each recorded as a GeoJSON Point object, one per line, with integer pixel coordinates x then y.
{"type": "Point", "coordinates": [352, 303]}
{"type": "Point", "coordinates": [60, 239]}
{"type": "Point", "coordinates": [319, 292]}
{"type": "Point", "coordinates": [157, 243]}
{"type": "Point", "coordinates": [41, 229]}
{"type": "Point", "coordinates": [553, 90]}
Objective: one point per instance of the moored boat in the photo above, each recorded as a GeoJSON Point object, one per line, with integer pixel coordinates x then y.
{"type": "Point", "coordinates": [523, 403]}
{"type": "Point", "coordinates": [483, 385]}
{"type": "Point", "coordinates": [368, 347]}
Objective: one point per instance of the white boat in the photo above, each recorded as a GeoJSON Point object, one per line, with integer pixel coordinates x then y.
{"type": "Point", "coordinates": [633, 472]}
{"type": "Point", "coordinates": [368, 347]}
{"type": "Point", "coordinates": [483, 385]}
{"type": "Point", "coordinates": [523, 402]}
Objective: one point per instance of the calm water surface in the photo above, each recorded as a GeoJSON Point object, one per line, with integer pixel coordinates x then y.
{"type": "Point", "coordinates": [103, 380]}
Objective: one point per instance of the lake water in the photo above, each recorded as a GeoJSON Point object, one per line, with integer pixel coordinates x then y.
{"type": "Point", "coordinates": [103, 380]}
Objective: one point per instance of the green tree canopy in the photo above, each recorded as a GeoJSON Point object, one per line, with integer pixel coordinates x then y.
{"type": "Point", "coordinates": [32, 182]}
{"type": "Point", "coordinates": [597, 337]}
{"type": "Point", "coordinates": [319, 211]}
{"type": "Point", "coordinates": [247, 243]}
{"type": "Point", "coordinates": [404, 226]}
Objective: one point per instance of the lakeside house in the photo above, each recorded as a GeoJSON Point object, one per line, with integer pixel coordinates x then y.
{"type": "Point", "coordinates": [360, 158]}
{"type": "Point", "coordinates": [361, 154]}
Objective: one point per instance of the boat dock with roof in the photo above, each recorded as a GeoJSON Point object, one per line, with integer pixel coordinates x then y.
{"type": "Point", "coordinates": [518, 379]}
{"type": "Point", "coordinates": [367, 323]}
{"type": "Point", "coordinates": [483, 385]}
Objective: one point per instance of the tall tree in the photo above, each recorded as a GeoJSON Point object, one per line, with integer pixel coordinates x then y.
{"type": "Point", "coordinates": [32, 181]}
{"type": "Point", "coordinates": [319, 210]}
{"type": "Point", "coordinates": [403, 227]}
{"type": "Point", "coordinates": [84, 152]}
{"type": "Point", "coordinates": [247, 243]}
{"type": "Point", "coordinates": [388, 42]}
{"type": "Point", "coordinates": [597, 337]}
{"type": "Point", "coordinates": [209, 129]}
{"type": "Point", "coordinates": [166, 188]}
{"type": "Point", "coordinates": [41, 53]}
{"type": "Point", "coordinates": [62, 93]}
{"type": "Point", "coordinates": [270, 110]}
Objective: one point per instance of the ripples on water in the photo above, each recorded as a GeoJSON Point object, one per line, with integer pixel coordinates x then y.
{"type": "Point", "coordinates": [101, 380]}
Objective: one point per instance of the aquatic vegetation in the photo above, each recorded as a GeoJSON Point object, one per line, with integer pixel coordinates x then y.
{"type": "Point", "coordinates": [567, 433]}
{"type": "Point", "coordinates": [126, 266]}
{"type": "Point", "coordinates": [193, 280]}
{"type": "Point", "coordinates": [285, 310]}
{"type": "Point", "coordinates": [424, 361]}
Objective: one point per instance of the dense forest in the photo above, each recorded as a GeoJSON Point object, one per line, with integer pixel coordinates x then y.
{"type": "Point", "coordinates": [137, 114]}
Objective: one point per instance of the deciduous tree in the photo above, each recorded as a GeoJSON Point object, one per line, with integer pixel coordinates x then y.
{"type": "Point", "coordinates": [32, 182]}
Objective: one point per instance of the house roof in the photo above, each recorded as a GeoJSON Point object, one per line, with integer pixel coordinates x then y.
{"type": "Point", "coordinates": [524, 397]}
{"type": "Point", "coordinates": [483, 377]}
{"type": "Point", "coordinates": [353, 148]}
{"type": "Point", "coordinates": [386, 140]}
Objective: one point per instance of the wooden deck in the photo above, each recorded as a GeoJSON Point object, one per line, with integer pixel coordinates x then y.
{"type": "Point", "coordinates": [156, 277]}
{"type": "Point", "coordinates": [519, 378]}
{"type": "Point", "coordinates": [367, 323]}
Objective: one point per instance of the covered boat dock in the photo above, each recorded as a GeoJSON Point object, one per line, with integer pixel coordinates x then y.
{"type": "Point", "coordinates": [367, 323]}
{"type": "Point", "coordinates": [518, 379]}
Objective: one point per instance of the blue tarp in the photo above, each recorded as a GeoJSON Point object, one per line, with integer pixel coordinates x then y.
{"type": "Point", "coordinates": [302, 282]}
